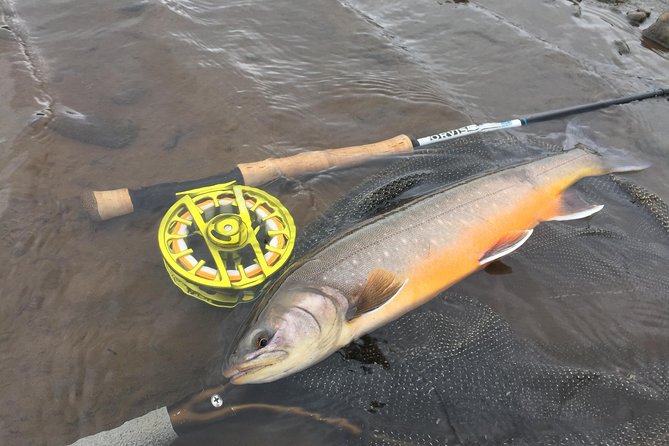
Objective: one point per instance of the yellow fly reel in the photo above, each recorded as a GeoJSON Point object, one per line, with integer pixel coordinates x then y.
{"type": "Point", "coordinates": [218, 242]}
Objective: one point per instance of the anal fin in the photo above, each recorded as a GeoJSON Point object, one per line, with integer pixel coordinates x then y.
{"type": "Point", "coordinates": [381, 286]}
{"type": "Point", "coordinates": [573, 207]}
{"type": "Point", "coordinates": [506, 246]}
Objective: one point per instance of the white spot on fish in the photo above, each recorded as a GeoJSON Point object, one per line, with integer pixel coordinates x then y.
{"type": "Point", "coordinates": [386, 253]}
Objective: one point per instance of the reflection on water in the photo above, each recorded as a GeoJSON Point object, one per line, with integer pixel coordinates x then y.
{"type": "Point", "coordinates": [109, 94]}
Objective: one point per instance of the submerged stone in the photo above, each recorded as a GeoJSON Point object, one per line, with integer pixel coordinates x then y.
{"type": "Point", "coordinates": [622, 47]}
{"type": "Point", "coordinates": [5, 32]}
{"type": "Point", "coordinates": [91, 129]}
{"type": "Point", "coordinates": [658, 32]}
{"type": "Point", "coordinates": [134, 9]}
{"type": "Point", "coordinates": [175, 139]}
{"type": "Point", "coordinates": [637, 17]}
{"type": "Point", "coordinates": [129, 96]}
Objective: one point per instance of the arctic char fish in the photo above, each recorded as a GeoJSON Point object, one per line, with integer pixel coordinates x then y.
{"type": "Point", "coordinates": [381, 270]}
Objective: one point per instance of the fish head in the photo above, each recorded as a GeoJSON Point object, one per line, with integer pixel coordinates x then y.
{"type": "Point", "coordinates": [293, 329]}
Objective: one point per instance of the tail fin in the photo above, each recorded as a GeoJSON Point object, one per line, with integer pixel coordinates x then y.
{"type": "Point", "coordinates": [612, 159]}
{"type": "Point", "coordinates": [616, 160]}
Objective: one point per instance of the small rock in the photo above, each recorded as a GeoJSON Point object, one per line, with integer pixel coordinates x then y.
{"type": "Point", "coordinates": [90, 129]}
{"type": "Point", "coordinates": [129, 96]}
{"type": "Point", "coordinates": [134, 9]}
{"type": "Point", "coordinates": [25, 241]}
{"type": "Point", "coordinates": [637, 17]}
{"type": "Point", "coordinates": [622, 47]}
{"type": "Point", "coordinates": [578, 11]}
{"type": "Point", "coordinates": [175, 138]}
{"type": "Point", "coordinates": [5, 32]}
{"type": "Point", "coordinates": [658, 32]}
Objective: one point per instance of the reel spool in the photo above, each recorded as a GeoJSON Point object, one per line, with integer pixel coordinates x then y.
{"type": "Point", "coordinates": [218, 242]}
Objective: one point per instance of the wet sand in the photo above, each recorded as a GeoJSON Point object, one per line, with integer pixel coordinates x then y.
{"type": "Point", "coordinates": [101, 95]}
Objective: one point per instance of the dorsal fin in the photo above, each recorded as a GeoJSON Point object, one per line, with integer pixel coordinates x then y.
{"type": "Point", "coordinates": [506, 246]}
{"type": "Point", "coordinates": [573, 207]}
{"type": "Point", "coordinates": [381, 286]}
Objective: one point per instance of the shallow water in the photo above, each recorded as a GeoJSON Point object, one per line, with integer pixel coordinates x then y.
{"type": "Point", "coordinates": [92, 332]}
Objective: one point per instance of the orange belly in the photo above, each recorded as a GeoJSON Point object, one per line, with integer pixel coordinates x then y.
{"type": "Point", "coordinates": [449, 264]}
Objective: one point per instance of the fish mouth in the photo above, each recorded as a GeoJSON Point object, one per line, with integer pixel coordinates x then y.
{"type": "Point", "coordinates": [238, 373]}
{"type": "Point", "coordinates": [237, 376]}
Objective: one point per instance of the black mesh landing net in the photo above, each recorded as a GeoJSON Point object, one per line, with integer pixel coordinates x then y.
{"type": "Point", "coordinates": [564, 342]}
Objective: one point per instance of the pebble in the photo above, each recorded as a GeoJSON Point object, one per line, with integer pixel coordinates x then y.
{"type": "Point", "coordinates": [134, 9]}
{"type": "Point", "coordinates": [658, 32]}
{"type": "Point", "coordinates": [5, 32]}
{"type": "Point", "coordinates": [622, 47]}
{"type": "Point", "coordinates": [129, 96]}
{"type": "Point", "coordinates": [637, 17]}
{"type": "Point", "coordinates": [175, 139]}
{"type": "Point", "coordinates": [91, 129]}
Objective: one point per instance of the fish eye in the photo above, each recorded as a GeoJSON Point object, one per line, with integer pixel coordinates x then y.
{"type": "Point", "coordinates": [262, 340]}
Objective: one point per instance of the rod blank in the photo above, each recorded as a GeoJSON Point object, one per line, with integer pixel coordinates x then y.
{"type": "Point", "coordinates": [568, 111]}
{"type": "Point", "coordinates": [537, 117]}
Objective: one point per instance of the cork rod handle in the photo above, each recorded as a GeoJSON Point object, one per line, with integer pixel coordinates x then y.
{"type": "Point", "coordinates": [103, 205]}
{"type": "Point", "coordinates": [311, 162]}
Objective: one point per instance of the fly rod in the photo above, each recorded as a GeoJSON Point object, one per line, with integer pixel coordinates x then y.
{"type": "Point", "coordinates": [103, 205]}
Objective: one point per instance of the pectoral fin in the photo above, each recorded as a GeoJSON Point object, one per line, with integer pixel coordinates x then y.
{"type": "Point", "coordinates": [573, 207]}
{"type": "Point", "coordinates": [506, 246]}
{"type": "Point", "coordinates": [381, 286]}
